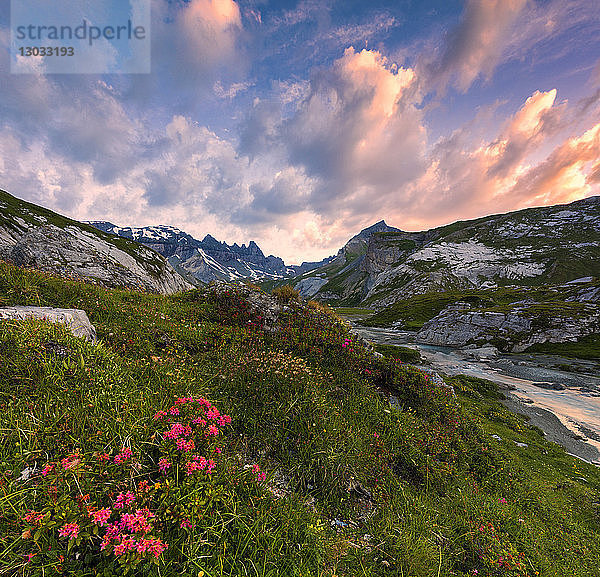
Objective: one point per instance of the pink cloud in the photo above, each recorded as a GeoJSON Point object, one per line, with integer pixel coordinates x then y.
{"type": "Point", "coordinates": [210, 27]}
{"type": "Point", "coordinates": [475, 48]}
{"type": "Point", "coordinates": [466, 181]}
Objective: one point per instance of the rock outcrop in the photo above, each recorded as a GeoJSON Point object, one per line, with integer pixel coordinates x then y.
{"type": "Point", "coordinates": [75, 320]}
{"type": "Point", "coordinates": [31, 236]}
{"type": "Point", "coordinates": [513, 330]}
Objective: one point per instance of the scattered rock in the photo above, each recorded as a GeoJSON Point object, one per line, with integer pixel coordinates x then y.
{"type": "Point", "coordinates": [57, 350]}
{"type": "Point", "coordinates": [550, 386]}
{"type": "Point", "coordinates": [355, 487]}
{"type": "Point", "coordinates": [27, 473]}
{"type": "Point", "coordinates": [75, 320]}
{"type": "Point", "coordinates": [310, 286]}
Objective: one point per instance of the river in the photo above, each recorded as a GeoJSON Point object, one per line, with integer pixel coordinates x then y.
{"type": "Point", "coordinates": [559, 395]}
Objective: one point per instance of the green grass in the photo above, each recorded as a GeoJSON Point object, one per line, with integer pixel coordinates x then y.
{"type": "Point", "coordinates": [354, 486]}
{"type": "Point", "coordinates": [585, 348]}
{"type": "Point", "coordinates": [405, 354]}
{"type": "Point", "coordinates": [417, 310]}
{"type": "Point", "coordinates": [352, 311]}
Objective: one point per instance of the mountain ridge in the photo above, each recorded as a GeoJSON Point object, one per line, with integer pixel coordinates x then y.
{"type": "Point", "coordinates": [539, 245]}
{"type": "Point", "coordinates": [208, 259]}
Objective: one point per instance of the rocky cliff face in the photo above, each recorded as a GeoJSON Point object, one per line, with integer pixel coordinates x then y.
{"type": "Point", "coordinates": [35, 237]}
{"type": "Point", "coordinates": [344, 277]}
{"type": "Point", "coordinates": [547, 245]}
{"type": "Point", "coordinates": [514, 329]}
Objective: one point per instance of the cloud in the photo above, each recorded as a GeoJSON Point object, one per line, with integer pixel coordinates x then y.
{"type": "Point", "coordinates": [492, 33]}
{"type": "Point", "coordinates": [232, 91]}
{"type": "Point", "coordinates": [464, 180]}
{"type": "Point", "coordinates": [570, 172]}
{"type": "Point", "coordinates": [358, 130]}
{"type": "Point", "coordinates": [208, 29]}
{"type": "Point", "coordinates": [536, 121]}
{"type": "Point", "coordinates": [476, 46]}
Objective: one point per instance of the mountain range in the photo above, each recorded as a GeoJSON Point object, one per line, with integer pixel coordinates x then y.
{"type": "Point", "coordinates": [377, 267]}
{"type": "Point", "coordinates": [208, 259]}
{"type": "Point", "coordinates": [530, 247]}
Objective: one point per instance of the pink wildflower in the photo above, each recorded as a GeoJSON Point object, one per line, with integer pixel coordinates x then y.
{"type": "Point", "coordinates": [173, 411]}
{"type": "Point", "coordinates": [211, 466]}
{"type": "Point", "coordinates": [70, 530]}
{"type": "Point", "coordinates": [212, 430]}
{"type": "Point", "coordinates": [156, 546]}
{"type": "Point", "coordinates": [124, 499]}
{"type": "Point", "coordinates": [196, 464]}
{"type": "Point", "coordinates": [136, 522]}
{"type": "Point", "coordinates": [224, 420]}
{"type": "Point", "coordinates": [71, 461]}
{"type": "Point", "coordinates": [34, 517]}
{"type": "Point", "coordinates": [185, 524]}
{"type": "Point", "coordinates": [123, 456]}
{"type": "Point", "coordinates": [175, 431]}
{"type": "Point", "coordinates": [185, 446]}
{"type": "Point", "coordinates": [101, 516]}
{"type": "Point", "coordinates": [48, 469]}
{"type": "Point", "coordinates": [163, 465]}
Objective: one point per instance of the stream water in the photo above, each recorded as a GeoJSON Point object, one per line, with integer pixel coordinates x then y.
{"type": "Point", "coordinates": [567, 388]}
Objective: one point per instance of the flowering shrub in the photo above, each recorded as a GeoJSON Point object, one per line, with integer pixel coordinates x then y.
{"type": "Point", "coordinates": [125, 506]}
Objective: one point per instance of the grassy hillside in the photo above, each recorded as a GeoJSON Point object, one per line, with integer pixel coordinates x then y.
{"type": "Point", "coordinates": [13, 209]}
{"type": "Point", "coordinates": [106, 451]}
{"type": "Point", "coordinates": [414, 312]}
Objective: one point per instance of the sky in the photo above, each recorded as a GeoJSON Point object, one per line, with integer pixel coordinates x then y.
{"type": "Point", "coordinates": [298, 123]}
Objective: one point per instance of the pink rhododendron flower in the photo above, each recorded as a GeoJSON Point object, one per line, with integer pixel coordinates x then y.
{"type": "Point", "coordinates": [124, 499]}
{"type": "Point", "coordinates": [70, 530]}
{"type": "Point", "coordinates": [71, 461]}
{"type": "Point", "coordinates": [101, 516]}
{"type": "Point", "coordinates": [123, 456]}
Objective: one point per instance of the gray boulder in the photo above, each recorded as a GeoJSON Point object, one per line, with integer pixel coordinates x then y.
{"type": "Point", "coordinates": [75, 320]}
{"type": "Point", "coordinates": [517, 329]}
{"type": "Point", "coordinates": [77, 252]}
